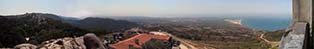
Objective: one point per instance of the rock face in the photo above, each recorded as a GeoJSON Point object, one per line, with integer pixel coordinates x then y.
{"type": "Point", "coordinates": [92, 42]}
{"type": "Point", "coordinates": [88, 41]}
{"type": "Point", "coordinates": [25, 46]}
{"type": "Point", "coordinates": [64, 43]}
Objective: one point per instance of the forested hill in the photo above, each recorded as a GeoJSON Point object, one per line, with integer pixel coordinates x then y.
{"type": "Point", "coordinates": [105, 24]}
{"type": "Point", "coordinates": [38, 27]}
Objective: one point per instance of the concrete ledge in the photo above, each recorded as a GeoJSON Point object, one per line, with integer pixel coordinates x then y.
{"type": "Point", "coordinates": [295, 39]}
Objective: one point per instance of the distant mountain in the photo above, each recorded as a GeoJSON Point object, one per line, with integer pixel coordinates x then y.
{"type": "Point", "coordinates": [97, 24]}
{"type": "Point", "coordinates": [105, 24]}
{"type": "Point", "coordinates": [36, 26]}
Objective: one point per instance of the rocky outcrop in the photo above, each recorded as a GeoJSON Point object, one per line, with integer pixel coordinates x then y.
{"type": "Point", "coordinates": [25, 46]}
{"type": "Point", "coordinates": [64, 43]}
{"type": "Point", "coordinates": [88, 41]}
{"type": "Point", "coordinates": [92, 42]}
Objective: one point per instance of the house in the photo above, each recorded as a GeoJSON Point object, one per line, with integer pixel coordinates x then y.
{"type": "Point", "coordinates": [138, 40]}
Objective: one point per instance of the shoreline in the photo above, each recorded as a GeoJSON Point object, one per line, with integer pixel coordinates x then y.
{"type": "Point", "coordinates": [234, 21]}
{"type": "Point", "coordinates": [239, 22]}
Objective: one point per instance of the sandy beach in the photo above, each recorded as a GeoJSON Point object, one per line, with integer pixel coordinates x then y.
{"type": "Point", "coordinates": [234, 21]}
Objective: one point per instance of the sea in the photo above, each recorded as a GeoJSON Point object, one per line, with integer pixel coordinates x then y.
{"type": "Point", "coordinates": [266, 23]}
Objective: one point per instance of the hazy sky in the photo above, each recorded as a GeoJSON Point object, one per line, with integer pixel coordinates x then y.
{"type": "Point", "coordinates": [79, 8]}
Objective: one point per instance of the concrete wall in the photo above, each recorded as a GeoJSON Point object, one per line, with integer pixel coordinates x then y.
{"type": "Point", "coordinates": [302, 10]}
{"type": "Point", "coordinates": [299, 37]}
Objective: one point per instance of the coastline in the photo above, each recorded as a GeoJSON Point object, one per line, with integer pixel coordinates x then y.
{"type": "Point", "coordinates": [234, 21]}
{"type": "Point", "coordinates": [239, 22]}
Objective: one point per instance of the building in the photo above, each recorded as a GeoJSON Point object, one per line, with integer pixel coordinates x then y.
{"type": "Point", "coordinates": [138, 40]}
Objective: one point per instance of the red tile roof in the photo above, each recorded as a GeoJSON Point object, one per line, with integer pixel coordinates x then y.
{"type": "Point", "coordinates": [142, 39]}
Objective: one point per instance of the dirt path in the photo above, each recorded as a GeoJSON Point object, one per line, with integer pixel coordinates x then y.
{"type": "Point", "coordinates": [183, 46]}
{"type": "Point", "coordinates": [188, 44]}
{"type": "Point", "coordinates": [273, 44]}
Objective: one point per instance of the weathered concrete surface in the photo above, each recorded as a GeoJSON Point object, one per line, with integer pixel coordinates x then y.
{"type": "Point", "coordinates": [298, 34]}
{"type": "Point", "coordinates": [295, 38]}
{"type": "Point", "coordinates": [302, 11]}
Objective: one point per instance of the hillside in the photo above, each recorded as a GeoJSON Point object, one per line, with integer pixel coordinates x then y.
{"type": "Point", "coordinates": [274, 35]}
{"type": "Point", "coordinates": [104, 24]}
{"type": "Point", "coordinates": [36, 26]}
{"type": "Point", "coordinates": [206, 31]}
{"type": "Point", "coordinates": [39, 27]}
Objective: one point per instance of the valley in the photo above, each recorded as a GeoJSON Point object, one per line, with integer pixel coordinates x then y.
{"type": "Point", "coordinates": [192, 32]}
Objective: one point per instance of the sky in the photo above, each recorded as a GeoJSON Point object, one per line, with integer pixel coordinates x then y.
{"type": "Point", "coordinates": [159, 8]}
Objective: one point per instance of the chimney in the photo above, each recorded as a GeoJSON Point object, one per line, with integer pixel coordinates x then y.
{"type": "Point", "coordinates": [137, 42]}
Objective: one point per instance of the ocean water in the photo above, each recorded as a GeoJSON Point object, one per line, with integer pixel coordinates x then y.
{"type": "Point", "coordinates": [266, 23]}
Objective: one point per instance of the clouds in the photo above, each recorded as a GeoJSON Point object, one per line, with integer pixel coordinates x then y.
{"type": "Point", "coordinates": [83, 8]}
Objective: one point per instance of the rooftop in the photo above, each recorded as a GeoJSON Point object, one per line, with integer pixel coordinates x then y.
{"type": "Point", "coordinates": [142, 38]}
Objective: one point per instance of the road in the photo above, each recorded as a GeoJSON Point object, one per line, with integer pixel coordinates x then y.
{"type": "Point", "coordinates": [273, 44]}
{"type": "Point", "coordinates": [185, 43]}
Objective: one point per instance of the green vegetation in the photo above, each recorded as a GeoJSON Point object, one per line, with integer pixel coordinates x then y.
{"type": "Point", "coordinates": [104, 24]}
{"type": "Point", "coordinates": [211, 32]}
{"type": "Point", "coordinates": [274, 35]}
{"type": "Point", "coordinates": [41, 27]}
{"type": "Point", "coordinates": [156, 44]}
{"type": "Point", "coordinates": [241, 44]}
{"type": "Point", "coordinates": [273, 48]}
{"type": "Point", "coordinates": [14, 29]}
{"type": "Point", "coordinates": [205, 31]}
